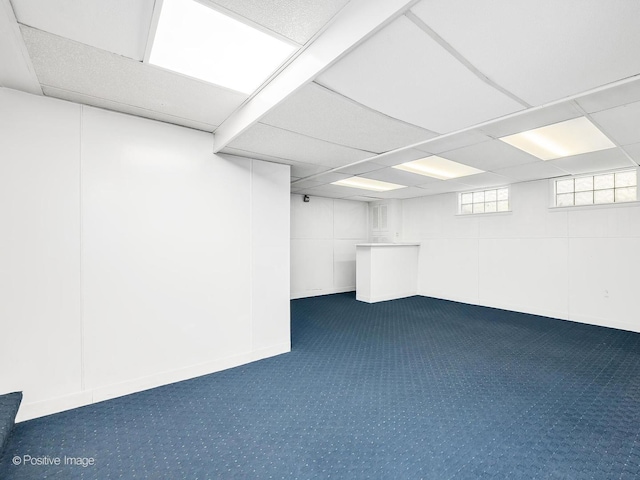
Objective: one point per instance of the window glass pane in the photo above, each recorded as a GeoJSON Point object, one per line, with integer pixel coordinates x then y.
{"type": "Point", "coordinates": [603, 181]}
{"type": "Point", "coordinates": [626, 179]}
{"type": "Point", "coordinates": [627, 194]}
{"type": "Point", "coordinates": [603, 196]}
{"type": "Point", "coordinates": [503, 194]}
{"type": "Point", "coordinates": [490, 207]}
{"type": "Point", "coordinates": [583, 184]}
{"type": "Point", "coordinates": [478, 208]}
{"type": "Point", "coordinates": [503, 206]}
{"type": "Point", "coordinates": [468, 208]}
{"type": "Point", "coordinates": [564, 199]}
{"type": "Point", "coordinates": [478, 197]}
{"type": "Point", "coordinates": [564, 186]}
{"type": "Point", "coordinates": [467, 198]}
{"type": "Point", "coordinates": [584, 198]}
{"type": "Point", "coordinates": [490, 196]}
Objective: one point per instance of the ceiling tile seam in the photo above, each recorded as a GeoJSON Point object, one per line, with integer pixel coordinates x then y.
{"type": "Point", "coordinates": [365, 107]}
{"type": "Point", "coordinates": [35, 86]}
{"type": "Point", "coordinates": [52, 87]}
{"type": "Point", "coordinates": [466, 63]}
{"type": "Point", "coordinates": [604, 130]}
{"type": "Point", "coordinates": [295, 55]}
{"type": "Point", "coordinates": [245, 20]}
{"type": "Point", "coordinates": [153, 28]}
{"type": "Point", "coordinates": [318, 139]}
{"type": "Point", "coordinates": [486, 123]}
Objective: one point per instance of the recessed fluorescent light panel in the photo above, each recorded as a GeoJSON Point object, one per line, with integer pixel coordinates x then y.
{"type": "Point", "coordinates": [438, 167]}
{"type": "Point", "coordinates": [563, 139]}
{"type": "Point", "coordinates": [198, 41]}
{"type": "Point", "coordinates": [368, 184]}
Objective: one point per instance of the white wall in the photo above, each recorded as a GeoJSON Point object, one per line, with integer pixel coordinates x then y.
{"type": "Point", "coordinates": [130, 255]}
{"type": "Point", "coordinates": [324, 233]}
{"type": "Point", "coordinates": [579, 264]}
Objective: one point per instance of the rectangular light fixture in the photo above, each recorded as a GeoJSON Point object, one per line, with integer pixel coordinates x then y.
{"type": "Point", "coordinates": [195, 40]}
{"type": "Point", "coordinates": [438, 167]}
{"type": "Point", "coordinates": [368, 184]}
{"type": "Point", "coordinates": [563, 139]}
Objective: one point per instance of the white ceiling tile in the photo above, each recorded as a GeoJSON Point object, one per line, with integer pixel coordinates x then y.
{"type": "Point", "coordinates": [611, 97]}
{"type": "Point", "coordinates": [633, 151]}
{"type": "Point", "coordinates": [609, 159]}
{"type": "Point", "coordinates": [294, 146]}
{"type": "Point", "coordinates": [621, 123]}
{"type": "Point", "coordinates": [335, 191]}
{"type": "Point", "coordinates": [118, 26]}
{"type": "Point", "coordinates": [544, 50]}
{"type": "Point", "coordinates": [410, 192]}
{"type": "Point", "coordinates": [490, 156]}
{"type": "Point", "coordinates": [443, 186]}
{"type": "Point", "coordinates": [532, 171]}
{"type": "Point", "coordinates": [124, 108]}
{"type": "Point", "coordinates": [405, 74]}
{"type": "Point", "coordinates": [533, 119]}
{"type": "Point", "coordinates": [77, 68]}
{"type": "Point", "coordinates": [485, 180]}
{"type": "Point", "coordinates": [393, 175]}
{"type": "Point", "coordinates": [298, 169]}
{"type": "Point", "coordinates": [298, 20]}
{"type": "Point", "coordinates": [403, 156]}
{"type": "Point", "coordinates": [359, 168]}
{"type": "Point", "coordinates": [362, 198]}
{"type": "Point", "coordinates": [320, 113]}
{"type": "Point", "coordinates": [323, 180]}
{"type": "Point", "coordinates": [459, 140]}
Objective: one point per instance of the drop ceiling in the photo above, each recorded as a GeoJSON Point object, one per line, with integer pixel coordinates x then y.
{"type": "Point", "coordinates": [374, 83]}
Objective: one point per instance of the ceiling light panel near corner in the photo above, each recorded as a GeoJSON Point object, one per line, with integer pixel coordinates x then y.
{"type": "Point", "coordinates": [195, 40]}
{"type": "Point", "coordinates": [438, 167]}
{"type": "Point", "coordinates": [563, 139]}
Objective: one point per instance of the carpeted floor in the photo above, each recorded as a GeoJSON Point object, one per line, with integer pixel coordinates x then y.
{"type": "Point", "coordinates": [412, 388]}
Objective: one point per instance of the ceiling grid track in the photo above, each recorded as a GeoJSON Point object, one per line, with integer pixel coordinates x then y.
{"type": "Point", "coordinates": [455, 54]}
{"type": "Point", "coordinates": [480, 125]}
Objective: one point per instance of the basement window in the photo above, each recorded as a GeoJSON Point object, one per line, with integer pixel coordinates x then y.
{"type": "Point", "coordinates": [494, 200]}
{"type": "Point", "coordinates": [600, 189]}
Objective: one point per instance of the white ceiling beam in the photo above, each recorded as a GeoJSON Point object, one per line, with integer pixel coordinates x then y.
{"type": "Point", "coordinates": [16, 69]}
{"type": "Point", "coordinates": [355, 22]}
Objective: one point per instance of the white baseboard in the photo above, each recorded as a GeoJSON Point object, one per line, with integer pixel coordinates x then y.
{"type": "Point", "coordinates": [586, 319]}
{"type": "Point", "coordinates": [55, 405]}
{"type": "Point", "coordinates": [601, 322]}
{"type": "Point", "coordinates": [317, 293]}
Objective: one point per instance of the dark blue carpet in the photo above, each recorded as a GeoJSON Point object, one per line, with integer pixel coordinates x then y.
{"type": "Point", "coordinates": [413, 388]}
{"type": "Point", "coordinates": [9, 404]}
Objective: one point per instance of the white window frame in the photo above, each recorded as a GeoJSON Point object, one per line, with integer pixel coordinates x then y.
{"type": "Point", "coordinates": [553, 190]}
{"type": "Point", "coordinates": [484, 191]}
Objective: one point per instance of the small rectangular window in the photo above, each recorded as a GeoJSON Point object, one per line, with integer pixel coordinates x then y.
{"type": "Point", "coordinates": [603, 188]}
{"type": "Point", "coordinates": [493, 200]}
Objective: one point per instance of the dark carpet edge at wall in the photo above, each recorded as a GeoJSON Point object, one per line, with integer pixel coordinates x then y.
{"type": "Point", "coordinates": [9, 405]}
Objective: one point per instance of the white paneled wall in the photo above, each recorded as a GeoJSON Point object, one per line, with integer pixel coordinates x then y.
{"type": "Point", "coordinates": [131, 255]}
{"type": "Point", "coordinates": [324, 232]}
{"type": "Point", "coordinates": [579, 264]}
